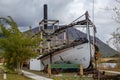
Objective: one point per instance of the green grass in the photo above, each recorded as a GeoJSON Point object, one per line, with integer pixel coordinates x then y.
{"type": "Point", "coordinates": [15, 77]}
{"type": "Point", "coordinates": [12, 75]}
{"type": "Point", "coordinates": [65, 76]}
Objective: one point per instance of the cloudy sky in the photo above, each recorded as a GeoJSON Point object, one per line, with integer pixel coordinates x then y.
{"type": "Point", "coordinates": [30, 12]}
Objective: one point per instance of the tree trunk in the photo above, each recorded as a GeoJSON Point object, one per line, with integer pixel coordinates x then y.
{"type": "Point", "coordinates": [19, 71]}
{"type": "Point", "coordinates": [21, 66]}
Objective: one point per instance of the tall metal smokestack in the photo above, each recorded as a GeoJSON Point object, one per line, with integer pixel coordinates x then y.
{"type": "Point", "coordinates": [45, 16]}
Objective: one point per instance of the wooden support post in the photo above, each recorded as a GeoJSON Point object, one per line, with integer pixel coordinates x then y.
{"type": "Point", "coordinates": [81, 70]}
{"type": "Point", "coordinates": [49, 70]}
{"type": "Point", "coordinates": [41, 35]}
{"type": "Point", "coordinates": [56, 40]}
{"type": "Point", "coordinates": [41, 50]}
{"type": "Point", "coordinates": [65, 37]}
{"type": "Point", "coordinates": [49, 45]}
{"type": "Point", "coordinates": [50, 58]}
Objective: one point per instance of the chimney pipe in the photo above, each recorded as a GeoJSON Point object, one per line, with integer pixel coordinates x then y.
{"type": "Point", "coordinates": [45, 16]}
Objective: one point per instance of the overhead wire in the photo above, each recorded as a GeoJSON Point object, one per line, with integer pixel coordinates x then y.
{"type": "Point", "coordinates": [78, 18]}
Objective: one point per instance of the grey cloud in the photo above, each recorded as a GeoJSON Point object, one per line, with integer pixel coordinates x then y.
{"type": "Point", "coordinates": [19, 11]}
{"type": "Point", "coordinates": [30, 12]}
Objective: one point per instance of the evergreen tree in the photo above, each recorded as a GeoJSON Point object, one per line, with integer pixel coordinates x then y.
{"type": "Point", "coordinates": [17, 47]}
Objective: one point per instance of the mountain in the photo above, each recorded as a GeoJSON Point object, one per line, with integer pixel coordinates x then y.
{"type": "Point", "coordinates": [105, 50]}
{"type": "Point", "coordinates": [73, 33]}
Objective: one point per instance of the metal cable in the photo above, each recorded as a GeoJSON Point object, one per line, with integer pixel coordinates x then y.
{"type": "Point", "coordinates": [78, 18]}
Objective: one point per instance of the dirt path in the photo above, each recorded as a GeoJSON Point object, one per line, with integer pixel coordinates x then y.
{"type": "Point", "coordinates": [34, 76]}
{"type": "Point", "coordinates": [114, 72]}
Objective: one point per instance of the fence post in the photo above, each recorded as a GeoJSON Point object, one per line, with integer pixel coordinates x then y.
{"type": "Point", "coordinates": [4, 75]}
{"type": "Point", "coordinates": [81, 70]}
{"type": "Point", "coordinates": [49, 70]}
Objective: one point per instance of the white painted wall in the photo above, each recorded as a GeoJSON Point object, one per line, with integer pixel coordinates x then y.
{"type": "Point", "coordinates": [36, 65]}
